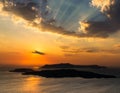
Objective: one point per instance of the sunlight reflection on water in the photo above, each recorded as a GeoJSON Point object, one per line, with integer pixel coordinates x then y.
{"type": "Point", "coordinates": [31, 85]}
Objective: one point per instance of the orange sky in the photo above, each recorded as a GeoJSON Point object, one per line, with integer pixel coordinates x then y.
{"type": "Point", "coordinates": [18, 40]}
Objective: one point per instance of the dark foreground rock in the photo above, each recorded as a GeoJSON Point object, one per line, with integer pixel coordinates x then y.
{"type": "Point", "coordinates": [67, 73]}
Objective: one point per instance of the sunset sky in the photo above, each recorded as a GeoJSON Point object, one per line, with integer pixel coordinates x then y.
{"type": "Point", "coordinates": [74, 31]}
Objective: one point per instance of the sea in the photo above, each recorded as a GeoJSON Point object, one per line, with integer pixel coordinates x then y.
{"type": "Point", "coordinates": [17, 83]}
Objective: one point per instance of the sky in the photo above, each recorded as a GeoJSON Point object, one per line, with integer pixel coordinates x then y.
{"type": "Point", "coordinates": [38, 32]}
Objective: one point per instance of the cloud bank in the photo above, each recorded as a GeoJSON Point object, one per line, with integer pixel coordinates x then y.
{"type": "Point", "coordinates": [39, 14]}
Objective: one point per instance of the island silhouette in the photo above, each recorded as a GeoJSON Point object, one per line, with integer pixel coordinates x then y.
{"type": "Point", "coordinates": [64, 70]}
{"type": "Point", "coordinates": [68, 65]}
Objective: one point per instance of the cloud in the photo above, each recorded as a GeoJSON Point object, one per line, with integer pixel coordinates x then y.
{"type": "Point", "coordinates": [76, 51]}
{"type": "Point", "coordinates": [38, 52]}
{"type": "Point", "coordinates": [117, 46]}
{"type": "Point", "coordinates": [64, 47]}
{"type": "Point", "coordinates": [81, 50]}
{"type": "Point", "coordinates": [38, 14]}
{"type": "Point", "coordinates": [27, 12]}
{"type": "Point", "coordinates": [100, 29]}
{"type": "Point", "coordinates": [111, 8]}
{"type": "Point", "coordinates": [104, 5]}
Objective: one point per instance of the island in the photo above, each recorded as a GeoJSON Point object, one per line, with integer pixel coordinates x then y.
{"type": "Point", "coordinates": [64, 71]}
{"type": "Point", "coordinates": [68, 65]}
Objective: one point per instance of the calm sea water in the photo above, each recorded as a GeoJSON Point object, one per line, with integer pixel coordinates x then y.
{"type": "Point", "coordinates": [17, 83]}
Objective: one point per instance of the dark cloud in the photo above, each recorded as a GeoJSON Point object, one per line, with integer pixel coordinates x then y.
{"type": "Point", "coordinates": [109, 26]}
{"type": "Point", "coordinates": [25, 12]}
{"type": "Point", "coordinates": [32, 10]}
{"type": "Point", "coordinates": [38, 52]}
{"type": "Point", "coordinates": [101, 29]}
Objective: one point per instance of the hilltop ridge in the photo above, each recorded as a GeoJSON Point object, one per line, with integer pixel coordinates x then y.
{"type": "Point", "coordinates": [68, 65]}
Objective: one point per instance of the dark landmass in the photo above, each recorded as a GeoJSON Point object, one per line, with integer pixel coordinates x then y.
{"type": "Point", "coordinates": [62, 73]}
{"type": "Point", "coordinates": [67, 65]}
{"type": "Point", "coordinates": [65, 70]}
{"type": "Point", "coordinates": [67, 73]}
{"type": "Point", "coordinates": [22, 70]}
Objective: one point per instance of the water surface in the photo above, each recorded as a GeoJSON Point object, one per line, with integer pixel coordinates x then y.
{"type": "Point", "coordinates": [17, 83]}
